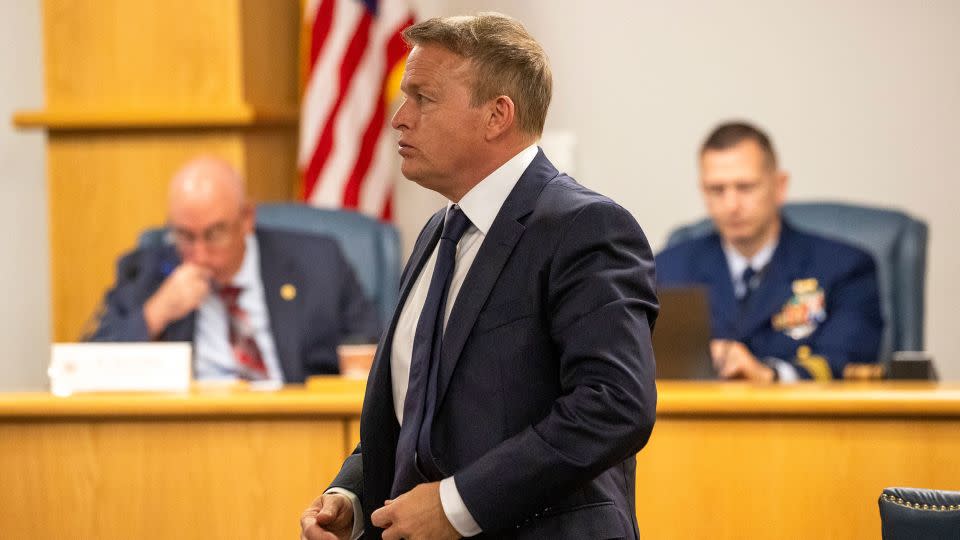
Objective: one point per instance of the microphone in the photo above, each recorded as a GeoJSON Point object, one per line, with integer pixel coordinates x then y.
{"type": "Point", "coordinates": [167, 266]}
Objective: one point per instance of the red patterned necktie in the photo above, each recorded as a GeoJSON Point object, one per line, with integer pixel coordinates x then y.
{"type": "Point", "coordinates": [245, 349]}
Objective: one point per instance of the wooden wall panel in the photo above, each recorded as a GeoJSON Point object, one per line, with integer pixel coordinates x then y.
{"type": "Point", "coordinates": [270, 163]}
{"type": "Point", "coordinates": [270, 43]}
{"type": "Point", "coordinates": [122, 53]}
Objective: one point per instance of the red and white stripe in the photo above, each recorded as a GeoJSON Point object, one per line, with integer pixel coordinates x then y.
{"type": "Point", "coordinates": [347, 151]}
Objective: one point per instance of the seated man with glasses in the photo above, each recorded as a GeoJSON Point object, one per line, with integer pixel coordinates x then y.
{"type": "Point", "coordinates": [257, 304]}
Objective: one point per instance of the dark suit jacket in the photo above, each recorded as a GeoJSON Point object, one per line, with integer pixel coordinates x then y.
{"type": "Point", "coordinates": [546, 385]}
{"type": "Point", "coordinates": [329, 305]}
{"type": "Point", "coordinates": [847, 275]}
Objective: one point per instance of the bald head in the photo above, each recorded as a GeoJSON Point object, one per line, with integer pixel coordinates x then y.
{"type": "Point", "coordinates": [207, 180]}
{"type": "Point", "coordinates": [210, 216]}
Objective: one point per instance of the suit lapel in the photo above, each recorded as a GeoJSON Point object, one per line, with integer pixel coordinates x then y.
{"type": "Point", "coordinates": [379, 383]}
{"type": "Point", "coordinates": [497, 246]}
{"type": "Point", "coordinates": [284, 314]}
{"type": "Point", "coordinates": [724, 308]}
{"type": "Point", "coordinates": [421, 253]}
{"type": "Point", "coordinates": [379, 429]}
{"type": "Point", "coordinates": [181, 330]}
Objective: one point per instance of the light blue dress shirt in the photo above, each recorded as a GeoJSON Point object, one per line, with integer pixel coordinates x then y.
{"type": "Point", "coordinates": [214, 355]}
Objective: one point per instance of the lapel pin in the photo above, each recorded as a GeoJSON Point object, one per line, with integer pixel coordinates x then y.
{"type": "Point", "coordinates": [288, 292]}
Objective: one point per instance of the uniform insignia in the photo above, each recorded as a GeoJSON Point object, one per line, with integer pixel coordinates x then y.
{"type": "Point", "coordinates": [804, 311]}
{"type": "Point", "coordinates": [288, 292]}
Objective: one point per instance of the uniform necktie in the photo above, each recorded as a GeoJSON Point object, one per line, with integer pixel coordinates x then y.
{"type": "Point", "coordinates": [750, 280]}
{"type": "Point", "coordinates": [245, 349]}
{"type": "Point", "coordinates": [414, 459]}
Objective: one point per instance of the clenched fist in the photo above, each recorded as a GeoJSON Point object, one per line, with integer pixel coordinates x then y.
{"type": "Point", "coordinates": [182, 292]}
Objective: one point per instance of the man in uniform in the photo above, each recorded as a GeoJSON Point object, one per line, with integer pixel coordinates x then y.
{"type": "Point", "coordinates": [785, 304]}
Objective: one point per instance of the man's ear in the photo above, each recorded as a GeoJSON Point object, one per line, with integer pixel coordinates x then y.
{"type": "Point", "coordinates": [248, 217]}
{"type": "Point", "coordinates": [782, 179]}
{"type": "Point", "coordinates": [501, 114]}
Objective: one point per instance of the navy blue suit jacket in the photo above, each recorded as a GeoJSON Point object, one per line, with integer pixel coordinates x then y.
{"type": "Point", "coordinates": [546, 385]}
{"type": "Point", "coordinates": [846, 274]}
{"type": "Point", "coordinates": [329, 306]}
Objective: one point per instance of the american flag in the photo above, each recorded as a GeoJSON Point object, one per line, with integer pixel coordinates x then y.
{"type": "Point", "coordinates": [354, 57]}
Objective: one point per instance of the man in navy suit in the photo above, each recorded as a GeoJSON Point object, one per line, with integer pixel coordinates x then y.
{"type": "Point", "coordinates": [515, 383]}
{"type": "Point", "coordinates": [257, 304]}
{"type": "Point", "coordinates": [785, 304]}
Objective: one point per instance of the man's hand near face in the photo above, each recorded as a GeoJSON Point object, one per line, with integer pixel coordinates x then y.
{"type": "Point", "coordinates": [733, 360]}
{"type": "Point", "coordinates": [182, 292]}
{"type": "Point", "coordinates": [415, 515]}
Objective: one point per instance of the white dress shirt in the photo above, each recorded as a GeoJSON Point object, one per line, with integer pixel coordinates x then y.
{"type": "Point", "coordinates": [211, 334]}
{"type": "Point", "coordinates": [737, 263]}
{"type": "Point", "coordinates": [481, 205]}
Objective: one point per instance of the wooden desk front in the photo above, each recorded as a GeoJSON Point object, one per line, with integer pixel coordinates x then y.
{"type": "Point", "coordinates": [210, 465]}
{"type": "Point", "coordinates": [725, 460]}
{"type": "Point", "coordinates": [730, 460]}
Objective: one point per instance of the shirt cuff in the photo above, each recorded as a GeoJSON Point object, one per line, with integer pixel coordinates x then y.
{"type": "Point", "coordinates": [785, 371]}
{"type": "Point", "coordinates": [456, 510]}
{"type": "Point", "coordinates": [357, 510]}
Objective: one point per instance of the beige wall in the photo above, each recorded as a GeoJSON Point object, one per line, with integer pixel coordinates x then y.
{"type": "Point", "coordinates": [24, 282]}
{"type": "Point", "coordinates": [861, 98]}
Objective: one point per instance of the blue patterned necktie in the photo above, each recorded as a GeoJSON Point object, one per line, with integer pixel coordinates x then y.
{"type": "Point", "coordinates": [414, 459]}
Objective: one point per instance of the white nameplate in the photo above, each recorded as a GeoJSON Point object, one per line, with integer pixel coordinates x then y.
{"type": "Point", "coordinates": [119, 367]}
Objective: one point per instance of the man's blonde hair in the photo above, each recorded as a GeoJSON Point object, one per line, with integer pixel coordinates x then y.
{"type": "Point", "coordinates": [507, 60]}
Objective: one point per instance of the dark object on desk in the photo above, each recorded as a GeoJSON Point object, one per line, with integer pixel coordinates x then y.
{"type": "Point", "coordinates": [911, 365]}
{"type": "Point", "coordinates": [919, 514]}
{"type": "Point", "coordinates": [681, 338]}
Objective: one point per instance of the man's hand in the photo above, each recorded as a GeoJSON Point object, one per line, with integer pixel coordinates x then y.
{"type": "Point", "coordinates": [329, 517]}
{"type": "Point", "coordinates": [415, 515]}
{"type": "Point", "coordinates": [181, 293]}
{"type": "Point", "coordinates": [733, 360]}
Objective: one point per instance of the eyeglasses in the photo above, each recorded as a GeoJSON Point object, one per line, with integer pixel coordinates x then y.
{"type": "Point", "coordinates": [214, 236]}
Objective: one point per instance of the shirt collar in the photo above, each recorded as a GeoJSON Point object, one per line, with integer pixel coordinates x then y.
{"type": "Point", "coordinates": [738, 263]}
{"type": "Point", "coordinates": [248, 274]}
{"type": "Point", "coordinates": [482, 203]}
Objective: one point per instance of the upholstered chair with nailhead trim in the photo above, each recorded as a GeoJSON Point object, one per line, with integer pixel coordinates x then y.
{"type": "Point", "coordinates": [919, 514]}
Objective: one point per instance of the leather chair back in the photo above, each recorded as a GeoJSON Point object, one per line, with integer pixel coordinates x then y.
{"type": "Point", "coordinates": [919, 514]}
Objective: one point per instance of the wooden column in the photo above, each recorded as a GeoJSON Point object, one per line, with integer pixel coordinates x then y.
{"type": "Point", "coordinates": [134, 89]}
